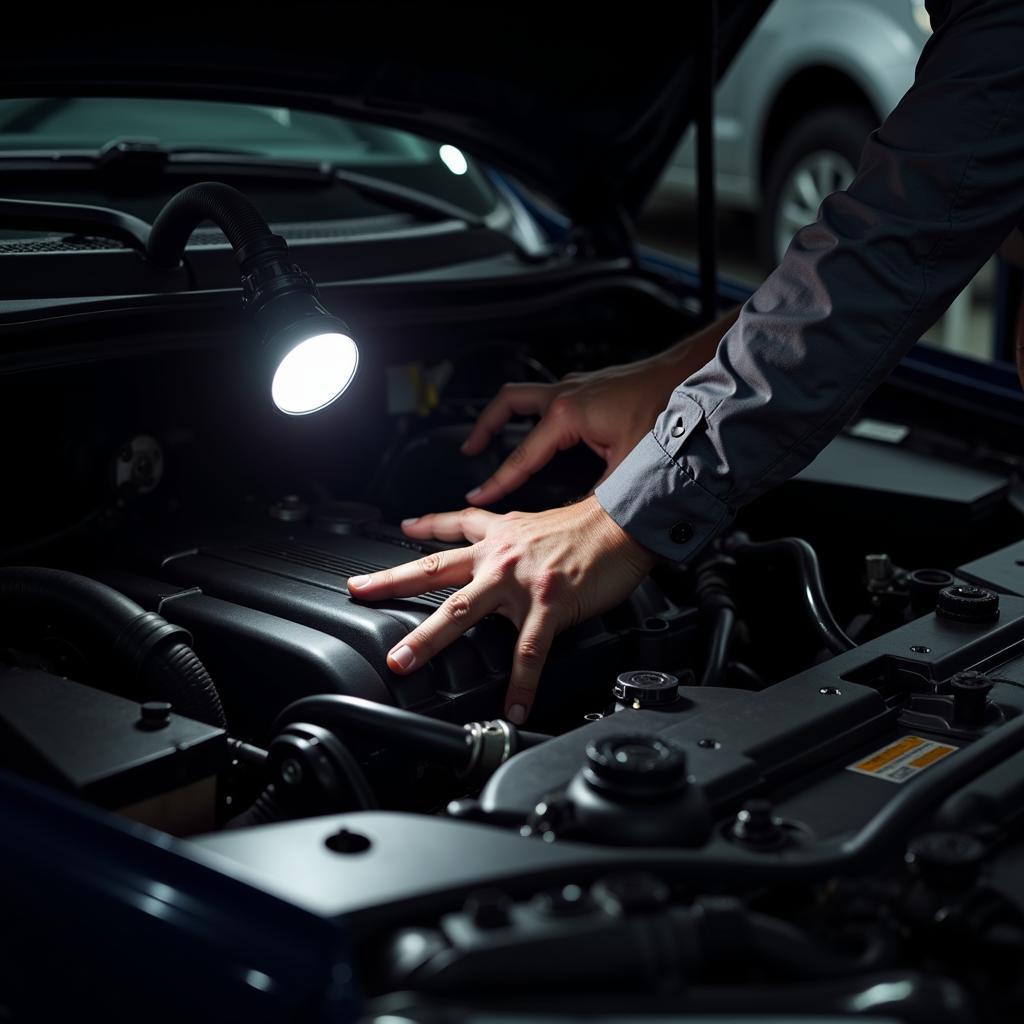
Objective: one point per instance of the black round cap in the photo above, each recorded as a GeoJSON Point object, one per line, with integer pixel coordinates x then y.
{"type": "Point", "coordinates": [154, 714]}
{"type": "Point", "coordinates": [636, 764]}
{"type": "Point", "coordinates": [646, 687]}
{"type": "Point", "coordinates": [946, 858]}
{"type": "Point", "coordinates": [967, 603]}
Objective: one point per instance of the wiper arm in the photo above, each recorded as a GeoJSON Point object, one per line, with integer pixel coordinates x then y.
{"type": "Point", "coordinates": [135, 158]}
{"type": "Point", "coordinates": [401, 197]}
{"type": "Point", "coordinates": [75, 218]}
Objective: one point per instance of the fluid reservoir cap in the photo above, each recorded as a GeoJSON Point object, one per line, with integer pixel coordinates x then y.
{"type": "Point", "coordinates": [967, 603]}
{"type": "Point", "coordinates": [646, 688]}
{"type": "Point", "coordinates": [970, 696]}
{"type": "Point", "coordinates": [947, 859]}
{"type": "Point", "coordinates": [636, 764]}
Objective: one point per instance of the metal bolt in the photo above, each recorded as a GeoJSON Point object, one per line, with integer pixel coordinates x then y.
{"type": "Point", "coordinates": [154, 714]}
{"type": "Point", "coordinates": [291, 772]}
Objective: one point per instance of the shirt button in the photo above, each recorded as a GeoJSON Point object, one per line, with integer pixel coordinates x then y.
{"type": "Point", "coordinates": [681, 533]}
{"type": "Point", "coordinates": [678, 430]}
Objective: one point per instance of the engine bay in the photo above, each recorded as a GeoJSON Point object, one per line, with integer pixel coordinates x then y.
{"type": "Point", "coordinates": [781, 780]}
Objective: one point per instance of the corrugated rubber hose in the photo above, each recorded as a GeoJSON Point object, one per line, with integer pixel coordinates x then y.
{"type": "Point", "coordinates": [228, 208]}
{"type": "Point", "coordinates": [155, 656]}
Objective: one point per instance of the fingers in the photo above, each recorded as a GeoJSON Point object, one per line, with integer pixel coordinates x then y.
{"type": "Point", "coordinates": [532, 649]}
{"type": "Point", "coordinates": [469, 524]}
{"type": "Point", "coordinates": [536, 451]}
{"type": "Point", "coordinates": [512, 399]}
{"type": "Point", "coordinates": [447, 624]}
{"type": "Point", "coordinates": [442, 569]}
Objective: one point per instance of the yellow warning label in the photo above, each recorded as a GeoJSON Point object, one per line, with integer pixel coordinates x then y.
{"type": "Point", "coordinates": [902, 759]}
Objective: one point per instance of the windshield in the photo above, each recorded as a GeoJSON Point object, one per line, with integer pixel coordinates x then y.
{"type": "Point", "coordinates": [76, 124]}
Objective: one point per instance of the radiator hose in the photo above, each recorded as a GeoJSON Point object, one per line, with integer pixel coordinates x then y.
{"type": "Point", "coordinates": [154, 656]}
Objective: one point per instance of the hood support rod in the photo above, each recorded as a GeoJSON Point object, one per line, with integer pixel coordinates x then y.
{"type": "Point", "coordinates": [707, 219]}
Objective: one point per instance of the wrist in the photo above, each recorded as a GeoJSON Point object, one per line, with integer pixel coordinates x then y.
{"type": "Point", "coordinates": [613, 539]}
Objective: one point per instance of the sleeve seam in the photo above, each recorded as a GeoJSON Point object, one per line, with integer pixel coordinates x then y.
{"type": "Point", "coordinates": [726, 509]}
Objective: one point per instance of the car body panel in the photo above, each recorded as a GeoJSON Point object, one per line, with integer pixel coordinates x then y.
{"type": "Point", "coordinates": [874, 44]}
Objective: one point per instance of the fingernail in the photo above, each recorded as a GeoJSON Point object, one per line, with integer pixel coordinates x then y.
{"type": "Point", "coordinates": [517, 714]}
{"type": "Point", "coordinates": [473, 493]}
{"type": "Point", "coordinates": [409, 522]}
{"type": "Point", "coordinates": [357, 581]}
{"type": "Point", "coordinates": [464, 447]}
{"type": "Point", "coordinates": [403, 656]}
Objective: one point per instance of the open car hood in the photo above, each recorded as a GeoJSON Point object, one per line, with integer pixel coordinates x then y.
{"type": "Point", "coordinates": [584, 106]}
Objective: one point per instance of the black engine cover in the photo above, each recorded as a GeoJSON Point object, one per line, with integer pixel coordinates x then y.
{"type": "Point", "coordinates": [265, 582]}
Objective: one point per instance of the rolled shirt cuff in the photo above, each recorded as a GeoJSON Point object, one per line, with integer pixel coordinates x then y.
{"type": "Point", "coordinates": [657, 501]}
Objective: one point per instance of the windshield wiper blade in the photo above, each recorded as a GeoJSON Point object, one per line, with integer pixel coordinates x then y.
{"type": "Point", "coordinates": [402, 197]}
{"type": "Point", "coordinates": [132, 158]}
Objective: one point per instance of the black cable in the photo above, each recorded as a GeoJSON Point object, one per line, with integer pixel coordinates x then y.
{"type": "Point", "coordinates": [812, 591]}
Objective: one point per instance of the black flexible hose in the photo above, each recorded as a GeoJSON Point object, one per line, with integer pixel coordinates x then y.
{"type": "Point", "coordinates": [266, 808]}
{"type": "Point", "coordinates": [799, 955]}
{"type": "Point", "coordinates": [812, 591]}
{"type": "Point", "coordinates": [228, 208]}
{"type": "Point", "coordinates": [354, 717]}
{"type": "Point", "coordinates": [745, 677]}
{"type": "Point", "coordinates": [716, 667]}
{"type": "Point", "coordinates": [141, 644]}
{"type": "Point", "coordinates": [714, 599]}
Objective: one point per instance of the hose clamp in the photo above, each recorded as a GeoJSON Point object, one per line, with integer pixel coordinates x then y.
{"type": "Point", "coordinates": [491, 745]}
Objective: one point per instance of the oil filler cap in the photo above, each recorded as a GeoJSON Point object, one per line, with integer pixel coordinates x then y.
{"type": "Point", "coordinates": [967, 603]}
{"type": "Point", "coordinates": [636, 764]}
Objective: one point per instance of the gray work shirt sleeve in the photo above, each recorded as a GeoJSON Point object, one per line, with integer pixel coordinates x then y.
{"type": "Point", "coordinates": [939, 187]}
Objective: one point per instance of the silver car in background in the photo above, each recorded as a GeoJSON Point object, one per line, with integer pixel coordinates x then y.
{"type": "Point", "coordinates": [793, 111]}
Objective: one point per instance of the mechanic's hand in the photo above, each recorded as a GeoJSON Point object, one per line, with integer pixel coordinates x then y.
{"type": "Point", "coordinates": [545, 571]}
{"type": "Point", "coordinates": [608, 410]}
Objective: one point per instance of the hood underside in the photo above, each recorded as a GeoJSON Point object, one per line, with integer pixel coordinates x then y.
{"type": "Point", "coordinates": [584, 106]}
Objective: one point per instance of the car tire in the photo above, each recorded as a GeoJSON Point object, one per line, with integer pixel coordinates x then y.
{"type": "Point", "coordinates": [817, 156]}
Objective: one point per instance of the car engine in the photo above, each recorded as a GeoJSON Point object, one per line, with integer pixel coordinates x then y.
{"type": "Point", "coordinates": [784, 780]}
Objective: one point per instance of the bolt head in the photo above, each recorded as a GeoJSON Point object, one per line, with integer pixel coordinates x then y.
{"type": "Point", "coordinates": [291, 772]}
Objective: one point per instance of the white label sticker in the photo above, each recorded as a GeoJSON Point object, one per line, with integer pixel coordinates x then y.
{"type": "Point", "coordinates": [902, 759]}
{"type": "Point", "coordinates": [878, 430]}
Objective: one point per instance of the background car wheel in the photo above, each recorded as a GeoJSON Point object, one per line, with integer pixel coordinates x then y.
{"type": "Point", "coordinates": [816, 157]}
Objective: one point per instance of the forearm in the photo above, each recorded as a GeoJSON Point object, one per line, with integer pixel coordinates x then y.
{"type": "Point", "coordinates": [686, 357]}
{"type": "Point", "coordinates": [938, 189]}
